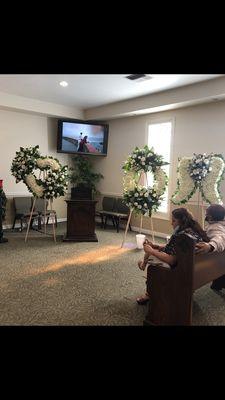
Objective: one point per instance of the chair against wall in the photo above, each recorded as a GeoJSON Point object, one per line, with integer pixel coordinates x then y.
{"type": "Point", "coordinates": [40, 205]}
{"type": "Point", "coordinates": [122, 213]}
{"type": "Point", "coordinates": [115, 209]}
{"type": "Point", "coordinates": [22, 207]}
{"type": "Point", "coordinates": [108, 207]}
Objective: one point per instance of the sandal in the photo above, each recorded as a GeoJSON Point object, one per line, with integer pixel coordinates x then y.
{"type": "Point", "coordinates": [142, 300]}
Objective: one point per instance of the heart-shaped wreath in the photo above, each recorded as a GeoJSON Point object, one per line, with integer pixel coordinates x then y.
{"type": "Point", "coordinates": [55, 175]}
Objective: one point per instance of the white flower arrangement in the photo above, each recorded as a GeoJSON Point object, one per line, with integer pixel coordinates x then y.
{"type": "Point", "coordinates": [42, 163]}
{"type": "Point", "coordinates": [199, 172]}
{"type": "Point", "coordinates": [210, 185]}
{"type": "Point", "coordinates": [185, 184]}
{"type": "Point", "coordinates": [141, 200]}
{"type": "Point", "coordinates": [160, 181]}
{"type": "Point", "coordinates": [55, 180]}
{"type": "Point", "coordinates": [199, 167]}
{"type": "Point", "coordinates": [31, 183]}
{"type": "Point", "coordinates": [143, 160]}
{"type": "Point", "coordinates": [138, 198]}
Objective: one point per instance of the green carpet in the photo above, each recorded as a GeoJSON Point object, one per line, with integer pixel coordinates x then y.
{"type": "Point", "coordinates": [43, 283]}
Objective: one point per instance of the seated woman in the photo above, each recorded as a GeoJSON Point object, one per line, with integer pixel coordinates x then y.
{"type": "Point", "coordinates": [182, 222]}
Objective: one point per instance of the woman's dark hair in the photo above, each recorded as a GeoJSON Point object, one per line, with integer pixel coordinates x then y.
{"type": "Point", "coordinates": [186, 220]}
{"type": "Point", "coordinates": [216, 212]}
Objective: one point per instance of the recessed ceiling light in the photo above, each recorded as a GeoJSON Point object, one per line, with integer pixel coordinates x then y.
{"type": "Point", "coordinates": [63, 83]}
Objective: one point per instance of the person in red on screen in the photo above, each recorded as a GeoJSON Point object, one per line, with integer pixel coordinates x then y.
{"type": "Point", "coordinates": [82, 144]}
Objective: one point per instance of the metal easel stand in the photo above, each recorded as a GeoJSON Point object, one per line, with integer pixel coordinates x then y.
{"type": "Point", "coordinates": [51, 215]}
{"type": "Point", "coordinates": [45, 222]}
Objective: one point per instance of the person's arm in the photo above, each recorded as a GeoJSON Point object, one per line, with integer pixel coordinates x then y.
{"type": "Point", "coordinates": [146, 257]}
{"type": "Point", "coordinates": [155, 246]}
{"type": "Point", "coordinates": [203, 248]}
{"type": "Point", "coordinates": [168, 258]}
{"type": "Point", "coordinates": [160, 247]}
{"type": "Point", "coordinates": [218, 242]}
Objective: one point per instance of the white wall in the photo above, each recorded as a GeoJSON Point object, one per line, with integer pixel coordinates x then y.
{"type": "Point", "coordinates": [23, 130]}
{"type": "Point", "coordinates": [197, 129]}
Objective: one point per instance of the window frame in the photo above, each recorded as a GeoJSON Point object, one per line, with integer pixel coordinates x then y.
{"type": "Point", "coordinates": [160, 120]}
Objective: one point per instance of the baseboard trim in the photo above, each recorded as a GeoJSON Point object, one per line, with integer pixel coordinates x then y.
{"type": "Point", "coordinates": [134, 228]}
{"type": "Point", "coordinates": [17, 225]}
{"type": "Point", "coordinates": [148, 232]}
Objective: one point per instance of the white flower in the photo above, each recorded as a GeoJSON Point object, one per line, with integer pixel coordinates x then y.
{"type": "Point", "coordinates": [186, 183]}
{"type": "Point", "coordinates": [210, 183]}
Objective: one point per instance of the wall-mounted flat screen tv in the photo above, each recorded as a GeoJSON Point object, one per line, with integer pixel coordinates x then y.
{"type": "Point", "coordinates": [79, 137]}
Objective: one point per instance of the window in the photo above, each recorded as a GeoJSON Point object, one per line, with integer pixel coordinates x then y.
{"type": "Point", "coordinates": [159, 137]}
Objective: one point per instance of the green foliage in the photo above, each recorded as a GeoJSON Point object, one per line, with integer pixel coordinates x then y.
{"type": "Point", "coordinates": [144, 159]}
{"type": "Point", "coordinates": [82, 173]}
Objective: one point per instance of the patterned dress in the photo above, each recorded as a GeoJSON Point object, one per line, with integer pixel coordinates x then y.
{"type": "Point", "coordinates": [170, 246]}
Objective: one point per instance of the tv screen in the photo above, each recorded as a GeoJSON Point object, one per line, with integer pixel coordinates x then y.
{"type": "Point", "coordinates": [82, 137]}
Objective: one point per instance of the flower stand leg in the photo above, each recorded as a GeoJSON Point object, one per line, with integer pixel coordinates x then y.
{"type": "Point", "coordinates": [125, 234]}
{"type": "Point", "coordinates": [31, 215]}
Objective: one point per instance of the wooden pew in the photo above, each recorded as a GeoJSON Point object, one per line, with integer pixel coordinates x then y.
{"type": "Point", "coordinates": [171, 290]}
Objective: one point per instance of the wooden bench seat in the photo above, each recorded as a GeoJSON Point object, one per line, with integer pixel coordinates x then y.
{"type": "Point", "coordinates": [171, 290]}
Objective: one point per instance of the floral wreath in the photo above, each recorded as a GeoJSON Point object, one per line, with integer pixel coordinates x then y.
{"type": "Point", "coordinates": [140, 199]}
{"type": "Point", "coordinates": [55, 180]}
{"type": "Point", "coordinates": [199, 172]}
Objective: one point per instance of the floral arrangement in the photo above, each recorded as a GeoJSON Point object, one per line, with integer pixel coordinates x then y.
{"type": "Point", "coordinates": [199, 167]}
{"type": "Point", "coordinates": [55, 180]}
{"type": "Point", "coordinates": [138, 198]}
{"type": "Point", "coordinates": [142, 200]}
{"type": "Point", "coordinates": [143, 160]}
{"type": "Point", "coordinates": [25, 162]}
{"type": "Point", "coordinates": [199, 172]}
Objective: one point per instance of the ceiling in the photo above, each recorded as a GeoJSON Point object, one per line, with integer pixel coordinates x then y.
{"type": "Point", "coordinates": [86, 91]}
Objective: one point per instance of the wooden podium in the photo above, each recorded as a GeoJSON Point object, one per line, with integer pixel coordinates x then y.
{"type": "Point", "coordinates": [80, 221]}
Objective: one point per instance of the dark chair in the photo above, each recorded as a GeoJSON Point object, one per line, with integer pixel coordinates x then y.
{"type": "Point", "coordinates": [108, 207]}
{"type": "Point", "coordinates": [115, 209]}
{"type": "Point", "coordinates": [22, 207]}
{"type": "Point", "coordinates": [122, 212]}
{"type": "Point", "coordinates": [39, 207]}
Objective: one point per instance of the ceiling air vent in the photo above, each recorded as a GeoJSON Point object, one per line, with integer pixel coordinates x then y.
{"type": "Point", "coordinates": [138, 77]}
